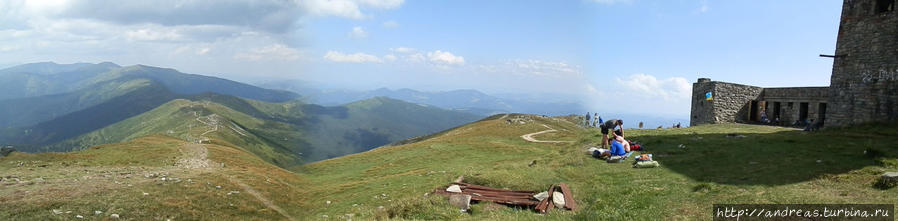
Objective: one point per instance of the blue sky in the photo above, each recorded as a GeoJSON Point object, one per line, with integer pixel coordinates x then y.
{"type": "Point", "coordinates": [633, 56]}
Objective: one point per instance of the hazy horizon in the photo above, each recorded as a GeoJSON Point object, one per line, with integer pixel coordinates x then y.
{"type": "Point", "coordinates": [620, 56]}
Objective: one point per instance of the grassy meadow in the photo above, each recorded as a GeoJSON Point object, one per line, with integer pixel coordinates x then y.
{"type": "Point", "coordinates": [700, 166]}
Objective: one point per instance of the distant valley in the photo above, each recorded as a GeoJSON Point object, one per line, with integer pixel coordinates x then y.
{"type": "Point", "coordinates": [476, 102]}
{"type": "Point", "coordinates": [67, 107]}
{"type": "Point", "coordinates": [468, 100]}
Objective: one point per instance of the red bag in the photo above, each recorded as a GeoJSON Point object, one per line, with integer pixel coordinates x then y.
{"type": "Point", "coordinates": [634, 146]}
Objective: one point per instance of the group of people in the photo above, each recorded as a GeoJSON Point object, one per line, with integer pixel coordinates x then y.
{"type": "Point", "coordinates": [592, 122]}
{"type": "Point", "coordinates": [613, 137]}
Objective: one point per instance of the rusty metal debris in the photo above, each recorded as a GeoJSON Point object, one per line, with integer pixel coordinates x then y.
{"type": "Point", "coordinates": [511, 197]}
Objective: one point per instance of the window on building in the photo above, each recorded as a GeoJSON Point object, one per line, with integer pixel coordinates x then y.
{"type": "Point", "coordinates": [883, 6]}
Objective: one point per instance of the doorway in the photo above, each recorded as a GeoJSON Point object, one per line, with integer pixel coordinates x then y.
{"type": "Point", "coordinates": [821, 113]}
{"type": "Point", "coordinates": [777, 108]}
{"type": "Point", "coordinates": [803, 111]}
{"type": "Point", "coordinates": [753, 112]}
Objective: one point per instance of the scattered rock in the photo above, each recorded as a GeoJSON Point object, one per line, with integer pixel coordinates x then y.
{"type": "Point", "coordinates": [114, 216]}
{"type": "Point", "coordinates": [79, 216]}
{"type": "Point", "coordinates": [558, 199]}
{"type": "Point", "coordinates": [461, 201]}
{"type": "Point", "coordinates": [819, 161]}
{"type": "Point", "coordinates": [233, 192]}
{"type": "Point", "coordinates": [146, 194]}
{"type": "Point", "coordinates": [5, 151]}
{"type": "Point", "coordinates": [454, 189]}
{"type": "Point", "coordinates": [541, 196]}
{"type": "Point", "coordinates": [323, 216]}
{"type": "Point", "coordinates": [217, 187]}
{"type": "Point", "coordinates": [380, 208]}
{"type": "Point", "coordinates": [57, 212]}
{"type": "Point", "coordinates": [97, 212]}
{"type": "Point", "coordinates": [887, 180]}
{"type": "Point", "coordinates": [328, 202]}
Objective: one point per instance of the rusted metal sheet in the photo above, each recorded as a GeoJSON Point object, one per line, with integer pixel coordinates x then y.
{"type": "Point", "coordinates": [569, 201]}
{"type": "Point", "coordinates": [472, 186]}
{"type": "Point", "coordinates": [512, 197]}
{"type": "Point", "coordinates": [494, 198]}
{"type": "Point", "coordinates": [545, 205]}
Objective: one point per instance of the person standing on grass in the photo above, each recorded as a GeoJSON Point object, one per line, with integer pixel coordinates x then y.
{"type": "Point", "coordinates": [595, 119]}
{"type": "Point", "coordinates": [609, 126]}
{"type": "Point", "coordinates": [587, 120]}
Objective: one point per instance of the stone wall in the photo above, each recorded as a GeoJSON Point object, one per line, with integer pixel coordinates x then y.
{"type": "Point", "coordinates": [702, 110]}
{"type": "Point", "coordinates": [733, 103]}
{"type": "Point", "coordinates": [864, 82]}
{"type": "Point", "coordinates": [790, 101]}
{"type": "Point", "coordinates": [730, 102]}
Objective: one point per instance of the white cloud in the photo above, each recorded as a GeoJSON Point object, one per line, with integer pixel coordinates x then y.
{"type": "Point", "coordinates": [404, 50]}
{"type": "Point", "coordinates": [146, 34]}
{"type": "Point", "coordinates": [346, 8]}
{"type": "Point", "coordinates": [271, 52]}
{"type": "Point", "coordinates": [444, 58]}
{"type": "Point", "coordinates": [391, 24]}
{"type": "Point", "coordinates": [358, 33]}
{"type": "Point", "coordinates": [202, 51]}
{"type": "Point", "coordinates": [705, 7]}
{"type": "Point", "coordinates": [535, 68]}
{"type": "Point", "coordinates": [415, 58]}
{"type": "Point", "coordinates": [390, 57]}
{"type": "Point", "coordinates": [545, 68]}
{"type": "Point", "coordinates": [647, 86]}
{"type": "Point", "coordinates": [351, 58]}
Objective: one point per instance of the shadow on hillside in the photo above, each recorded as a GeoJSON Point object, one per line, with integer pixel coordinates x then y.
{"type": "Point", "coordinates": [766, 159]}
{"type": "Point", "coordinates": [338, 112]}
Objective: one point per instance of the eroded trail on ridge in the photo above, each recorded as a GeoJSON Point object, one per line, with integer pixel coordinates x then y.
{"type": "Point", "coordinates": [529, 137]}
{"type": "Point", "coordinates": [261, 198]}
{"type": "Point", "coordinates": [195, 156]}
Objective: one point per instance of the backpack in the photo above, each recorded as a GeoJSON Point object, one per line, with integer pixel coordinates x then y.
{"type": "Point", "coordinates": [634, 146]}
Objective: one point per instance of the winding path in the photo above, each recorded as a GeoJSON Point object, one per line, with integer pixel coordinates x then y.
{"type": "Point", "coordinates": [529, 137]}
{"type": "Point", "coordinates": [261, 198]}
{"type": "Point", "coordinates": [195, 156]}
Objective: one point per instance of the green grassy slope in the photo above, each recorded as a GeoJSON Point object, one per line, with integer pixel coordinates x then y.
{"type": "Point", "coordinates": [190, 84]}
{"type": "Point", "coordinates": [39, 92]}
{"type": "Point", "coordinates": [142, 96]}
{"type": "Point", "coordinates": [194, 121]}
{"type": "Point", "coordinates": [769, 165]}
{"type": "Point", "coordinates": [21, 112]}
{"type": "Point", "coordinates": [147, 179]}
{"type": "Point", "coordinates": [39, 79]}
{"type": "Point", "coordinates": [366, 124]}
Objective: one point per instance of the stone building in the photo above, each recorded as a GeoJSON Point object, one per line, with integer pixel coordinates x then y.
{"type": "Point", "coordinates": [864, 82]}
{"type": "Point", "coordinates": [730, 103]}
{"type": "Point", "coordinates": [863, 85]}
